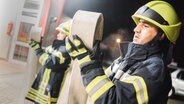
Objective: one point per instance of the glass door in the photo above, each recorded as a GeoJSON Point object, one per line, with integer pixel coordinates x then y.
{"type": "Point", "coordinates": [29, 17]}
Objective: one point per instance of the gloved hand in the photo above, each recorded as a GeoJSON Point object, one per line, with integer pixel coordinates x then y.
{"type": "Point", "coordinates": [78, 50]}
{"type": "Point", "coordinates": [36, 46]}
{"type": "Point", "coordinates": [96, 53]}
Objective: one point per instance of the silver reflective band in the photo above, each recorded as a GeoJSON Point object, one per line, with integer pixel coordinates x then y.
{"type": "Point", "coordinates": [140, 88]}
{"type": "Point", "coordinates": [147, 12]}
{"type": "Point", "coordinates": [118, 74]}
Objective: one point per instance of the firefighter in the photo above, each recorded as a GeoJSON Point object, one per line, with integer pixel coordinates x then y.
{"type": "Point", "coordinates": [55, 61]}
{"type": "Point", "coordinates": [141, 76]}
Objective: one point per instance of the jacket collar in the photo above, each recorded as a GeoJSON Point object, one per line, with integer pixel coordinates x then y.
{"type": "Point", "coordinates": [57, 43]}
{"type": "Point", "coordinates": [138, 52]}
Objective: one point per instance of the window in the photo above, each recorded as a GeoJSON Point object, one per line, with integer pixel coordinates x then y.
{"type": "Point", "coordinates": [181, 75]}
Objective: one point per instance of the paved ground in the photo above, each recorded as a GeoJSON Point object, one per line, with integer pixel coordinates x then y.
{"type": "Point", "coordinates": [10, 88]}
{"type": "Point", "coordinates": [176, 100]}
{"type": "Point", "coordinates": [13, 83]}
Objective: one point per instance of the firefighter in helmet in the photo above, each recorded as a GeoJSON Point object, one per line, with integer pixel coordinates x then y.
{"type": "Point", "coordinates": [55, 61]}
{"type": "Point", "coordinates": [141, 76]}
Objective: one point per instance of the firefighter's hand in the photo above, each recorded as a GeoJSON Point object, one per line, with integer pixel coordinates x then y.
{"type": "Point", "coordinates": [36, 46]}
{"type": "Point", "coordinates": [96, 53]}
{"type": "Point", "coordinates": [77, 49]}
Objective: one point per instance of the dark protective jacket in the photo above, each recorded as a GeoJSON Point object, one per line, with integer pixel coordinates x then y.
{"type": "Point", "coordinates": [138, 78]}
{"type": "Point", "coordinates": [46, 86]}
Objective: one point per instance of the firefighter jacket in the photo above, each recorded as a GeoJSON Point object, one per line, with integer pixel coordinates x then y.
{"type": "Point", "coordinates": [138, 78]}
{"type": "Point", "coordinates": [46, 86]}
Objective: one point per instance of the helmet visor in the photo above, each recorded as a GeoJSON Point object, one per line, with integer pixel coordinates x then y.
{"type": "Point", "coordinates": [149, 13]}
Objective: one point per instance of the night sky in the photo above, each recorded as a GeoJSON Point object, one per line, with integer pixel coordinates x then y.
{"type": "Point", "coordinates": [117, 14]}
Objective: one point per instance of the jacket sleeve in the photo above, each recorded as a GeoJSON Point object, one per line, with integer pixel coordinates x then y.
{"type": "Point", "coordinates": [135, 89]}
{"type": "Point", "coordinates": [55, 59]}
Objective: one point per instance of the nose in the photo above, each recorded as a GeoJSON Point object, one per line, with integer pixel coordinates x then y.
{"type": "Point", "coordinates": [137, 29]}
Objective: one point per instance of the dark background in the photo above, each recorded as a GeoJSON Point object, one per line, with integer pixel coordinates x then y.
{"type": "Point", "coordinates": [117, 14]}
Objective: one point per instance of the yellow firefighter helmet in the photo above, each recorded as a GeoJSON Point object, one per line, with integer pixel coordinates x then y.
{"type": "Point", "coordinates": [65, 27]}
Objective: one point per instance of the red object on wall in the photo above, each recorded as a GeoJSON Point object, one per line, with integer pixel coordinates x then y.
{"type": "Point", "coordinates": [9, 28]}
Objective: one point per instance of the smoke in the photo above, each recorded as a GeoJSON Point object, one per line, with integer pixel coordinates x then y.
{"type": "Point", "coordinates": [110, 46]}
